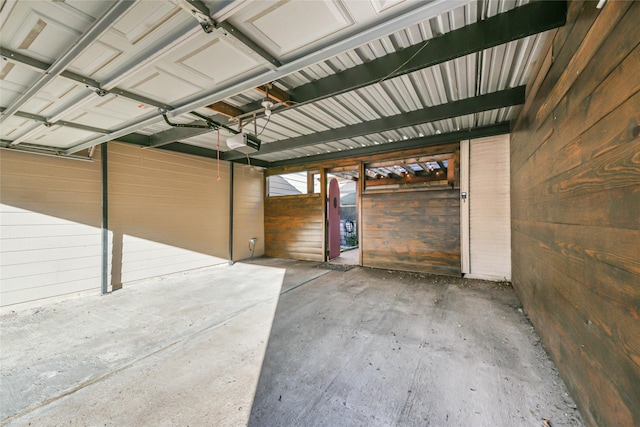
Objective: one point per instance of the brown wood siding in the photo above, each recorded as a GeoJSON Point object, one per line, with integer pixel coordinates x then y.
{"type": "Point", "coordinates": [167, 211]}
{"type": "Point", "coordinates": [248, 212]}
{"type": "Point", "coordinates": [50, 218]}
{"type": "Point", "coordinates": [293, 227]}
{"type": "Point", "coordinates": [413, 231]}
{"type": "Point", "coordinates": [575, 203]}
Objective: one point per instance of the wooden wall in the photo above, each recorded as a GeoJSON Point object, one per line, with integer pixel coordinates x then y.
{"type": "Point", "coordinates": [575, 164]}
{"type": "Point", "coordinates": [293, 227]}
{"type": "Point", "coordinates": [413, 231]}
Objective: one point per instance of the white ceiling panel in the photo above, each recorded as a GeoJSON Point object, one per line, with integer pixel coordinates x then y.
{"type": "Point", "coordinates": [218, 61]}
{"type": "Point", "coordinates": [165, 87]}
{"type": "Point", "coordinates": [47, 29]}
{"type": "Point", "coordinates": [14, 127]}
{"type": "Point", "coordinates": [143, 18]}
{"type": "Point", "coordinates": [59, 136]}
{"type": "Point", "coordinates": [314, 20]}
{"type": "Point", "coordinates": [94, 58]}
{"type": "Point", "coordinates": [120, 107]}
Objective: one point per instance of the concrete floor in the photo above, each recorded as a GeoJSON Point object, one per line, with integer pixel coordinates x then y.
{"type": "Point", "coordinates": [361, 347]}
{"type": "Point", "coordinates": [349, 257]}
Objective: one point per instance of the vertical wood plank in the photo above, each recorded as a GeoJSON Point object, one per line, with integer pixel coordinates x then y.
{"type": "Point", "coordinates": [575, 177]}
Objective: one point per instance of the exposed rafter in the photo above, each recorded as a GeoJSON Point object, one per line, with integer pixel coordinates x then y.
{"type": "Point", "coordinates": [176, 147]}
{"type": "Point", "coordinates": [351, 40]}
{"type": "Point", "coordinates": [490, 101]}
{"type": "Point", "coordinates": [523, 21]}
{"type": "Point", "coordinates": [425, 141]}
{"type": "Point", "coordinates": [225, 109]}
{"type": "Point", "coordinates": [275, 93]}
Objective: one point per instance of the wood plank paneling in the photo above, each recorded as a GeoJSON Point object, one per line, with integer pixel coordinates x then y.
{"type": "Point", "coordinates": [293, 227]}
{"type": "Point", "coordinates": [49, 227]}
{"type": "Point", "coordinates": [413, 231]}
{"type": "Point", "coordinates": [575, 160]}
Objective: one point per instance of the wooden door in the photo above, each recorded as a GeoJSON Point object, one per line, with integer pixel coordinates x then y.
{"type": "Point", "coordinates": [333, 217]}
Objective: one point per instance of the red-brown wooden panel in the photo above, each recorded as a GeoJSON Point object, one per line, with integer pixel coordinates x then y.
{"type": "Point", "coordinates": [413, 231]}
{"type": "Point", "coordinates": [293, 227]}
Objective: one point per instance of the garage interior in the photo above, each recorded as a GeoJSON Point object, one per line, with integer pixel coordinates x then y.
{"type": "Point", "coordinates": [487, 155]}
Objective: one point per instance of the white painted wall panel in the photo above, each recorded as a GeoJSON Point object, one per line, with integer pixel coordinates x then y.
{"type": "Point", "coordinates": [50, 215]}
{"type": "Point", "coordinates": [490, 211]}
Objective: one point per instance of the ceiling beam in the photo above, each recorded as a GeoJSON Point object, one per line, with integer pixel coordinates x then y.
{"type": "Point", "coordinates": [43, 120]}
{"type": "Point", "coordinates": [202, 14]}
{"type": "Point", "coordinates": [99, 27]}
{"type": "Point", "coordinates": [38, 65]}
{"type": "Point", "coordinates": [523, 21]}
{"type": "Point", "coordinates": [33, 63]}
{"type": "Point", "coordinates": [249, 43]}
{"type": "Point", "coordinates": [408, 169]}
{"type": "Point", "coordinates": [176, 147]}
{"type": "Point", "coordinates": [426, 141]}
{"type": "Point", "coordinates": [275, 93]}
{"type": "Point", "coordinates": [175, 134]}
{"type": "Point", "coordinates": [351, 40]}
{"type": "Point", "coordinates": [490, 101]}
{"type": "Point", "coordinates": [225, 109]}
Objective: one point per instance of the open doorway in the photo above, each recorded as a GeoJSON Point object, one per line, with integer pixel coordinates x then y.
{"type": "Point", "coordinates": [346, 225]}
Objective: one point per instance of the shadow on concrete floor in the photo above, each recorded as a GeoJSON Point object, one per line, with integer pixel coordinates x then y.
{"type": "Point", "coordinates": [361, 347]}
{"type": "Point", "coordinates": [379, 348]}
{"type": "Point", "coordinates": [180, 349]}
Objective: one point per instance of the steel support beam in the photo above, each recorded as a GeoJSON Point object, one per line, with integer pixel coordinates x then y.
{"type": "Point", "coordinates": [43, 66]}
{"type": "Point", "coordinates": [426, 141]}
{"type": "Point", "coordinates": [93, 33]}
{"type": "Point", "coordinates": [104, 163]}
{"type": "Point", "coordinates": [231, 170]}
{"type": "Point", "coordinates": [411, 17]}
{"type": "Point", "coordinates": [43, 120]}
{"type": "Point", "coordinates": [43, 151]}
{"type": "Point", "coordinates": [523, 21]}
{"type": "Point", "coordinates": [246, 41]}
{"type": "Point", "coordinates": [490, 101]}
{"type": "Point", "coordinates": [38, 65]}
{"type": "Point", "coordinates": [172, 135]}
{"type": "Point", "coordinates": [177, 147]}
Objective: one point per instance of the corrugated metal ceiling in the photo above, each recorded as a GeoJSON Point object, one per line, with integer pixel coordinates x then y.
{"type": "Point", "coordinates": [154, 54]}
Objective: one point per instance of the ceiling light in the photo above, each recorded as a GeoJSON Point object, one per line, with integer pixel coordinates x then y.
{"type": "Point", "coordinates": [421, 134]}
{"type": "Point", "coordinates": [268, 105]}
